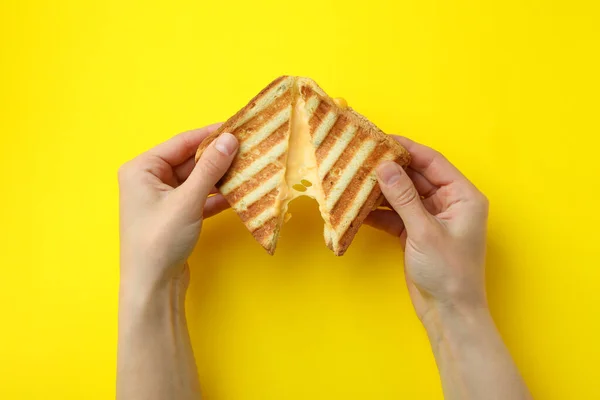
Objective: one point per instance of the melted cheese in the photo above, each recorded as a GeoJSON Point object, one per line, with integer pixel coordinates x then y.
{"type": "Point", "coordinates": [340, 102]}
{"type": "Point", "coordinates": [301, 177]}
{"type": "Point", "coordinates": [287, 217]}
{"type": "Point", "coordinates": [301, 161]}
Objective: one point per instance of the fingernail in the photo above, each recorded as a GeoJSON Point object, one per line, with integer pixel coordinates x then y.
{"type": "Point", "coordinates": [389, 172]}
{"type": "Point", "coordinates": [226, 143]}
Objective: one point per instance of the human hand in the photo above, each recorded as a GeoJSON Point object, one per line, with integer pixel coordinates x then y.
{"type": "Point", "coordinates": [441, 220]}
{"type": "Point", "coordinates": [164, 196]}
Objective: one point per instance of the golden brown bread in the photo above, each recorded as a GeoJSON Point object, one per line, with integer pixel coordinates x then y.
{"type": "Point", "coordinates": [232, 123]}
{"type": "Point", "coordinates": [342, 150]}
{"type": "Point", "coordinates": [354, 168]}
{"type": "Point", "coordinates": [254, 182]}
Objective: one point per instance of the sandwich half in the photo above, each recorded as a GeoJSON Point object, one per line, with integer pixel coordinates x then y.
{"type": "Point", "coordinates": [295, 140]}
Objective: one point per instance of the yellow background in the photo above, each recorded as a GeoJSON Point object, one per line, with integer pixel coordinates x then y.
{"type": "Point", "coordinates": [508, 90]}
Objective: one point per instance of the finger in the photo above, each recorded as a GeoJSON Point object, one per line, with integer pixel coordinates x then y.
{"type": "Point", "coordinates": [183, 146]}
{"type": "Point", "coordinates": [211, 166]}
{"type": "Point", "coordinates": [430, 163]}
{"type": "Point", "coordinates": [386, 220]}
{"type": "Point", "coordinates": [183, 170]}
{"type": "Point", "coordinates": [424, 187]}
{"type": "Point", "coordinates": [402, 196]}
{"type": "Point", "coordinates": [214, 205]}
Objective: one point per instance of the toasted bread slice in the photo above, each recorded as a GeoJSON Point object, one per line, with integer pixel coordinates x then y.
{"type": "Point", "coordinates": [295, 140]}
{"type": "Point", "coordinates": [255, 182]}
{"type": "Point", "coordinates": [348, 148]}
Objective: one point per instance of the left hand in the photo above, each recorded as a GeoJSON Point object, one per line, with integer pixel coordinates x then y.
{"type": "Point", "coordinates": [164, 196]}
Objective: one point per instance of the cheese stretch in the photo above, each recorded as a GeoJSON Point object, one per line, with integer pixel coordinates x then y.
{"type": "Point", "coordinates": [301, 176]}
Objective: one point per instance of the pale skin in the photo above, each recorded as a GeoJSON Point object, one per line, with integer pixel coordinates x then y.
{"type": "Point", "coordinates": [438, 215]}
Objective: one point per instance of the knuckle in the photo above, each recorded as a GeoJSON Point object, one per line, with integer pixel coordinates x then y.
{"type": "Point", "coordinates": [479, 204]}
{"type": "Point", "coordinates": [124, 171]}
{"type": "Point", "coordinates": [211, 167]}
{"type": "Point", "coordinates": [472, 195]}
{"type": "Point", "coordinates": [482, 201]}
{"type": "Point", "coordinates": [436, 154]}
{"type": "Point", "coordinates": [485, 201]}
{"type": "Point", "coordinates": [404, 195]}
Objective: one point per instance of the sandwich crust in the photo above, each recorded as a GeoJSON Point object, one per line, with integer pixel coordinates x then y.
{"type": "Point", "coordinates": [256, 178]}
{"type": "Point", "coordinates": [232, 123]}
{"type": "Point", "coordinates": [346, 211]}
{"type": "Point", "coordinates": [347, 148]}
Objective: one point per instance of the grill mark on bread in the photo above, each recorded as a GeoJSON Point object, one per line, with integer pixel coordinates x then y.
{"type": "Point", "coordinates": [334, 173]}
{"type": "Point", "coordinates": [352, 228]}
{"type": "Point", "coordinates": [267, 201]}
{"type": "Point", "coordinates": [264, 174]}
{"type": "Point", "coordinates": [318, 117]}
{"type": "Point", "coordinates": [322, 129]}
{"type": "Point", "coordinates": [266, 98]}
{"type": "Point", "coordinates": [248, 169]}
{"type": "Point", "coordinates": [336, 150]}
{"type": "Point", "coordinates": [334, 134]}
{"type": "Point", "coordinates": [349, 195]}
{"type": "Point", "coordinates": [310, 105]}
{"type": "Point", "coordinates": [265, 230]}
{"type": "Point", "coordinates": [255, 123]}
{"type": "Point", "coordinates": [346, 178]}
{"type": "Point", "coordinates": [306, 91]}
{"type": "Point", "coordinates": [256, 152]}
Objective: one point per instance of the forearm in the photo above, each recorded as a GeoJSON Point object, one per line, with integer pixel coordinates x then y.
{"type": "Point", "coordinates": [155, 358]}
{"type": "Point", "coordinates": [472, 359]}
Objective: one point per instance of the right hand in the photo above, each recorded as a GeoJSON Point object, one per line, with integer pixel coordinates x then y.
{"type": "Point", "coordinates": [441, 219]}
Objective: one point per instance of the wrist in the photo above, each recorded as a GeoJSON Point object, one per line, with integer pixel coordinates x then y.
{"type": "Point", "coordinates": [151, 297]}
{"type": "Point", "coordinates": [458, 324]}
{"type": "Point", "coordinates": [454, 305]}
{"type": "Point", "coordinates": [147, 276]}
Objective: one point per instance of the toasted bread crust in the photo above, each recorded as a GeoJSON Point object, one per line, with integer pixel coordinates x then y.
{"type": "Point", "coordinates": [402, 155]}
{"type": "Point", "coordinates": [244, 124]}
{"type": "Point", "coordinates": [234, 120]}
{"type": "Point", "coordinates": [376, 197]}
{"type": "Point", "coordinates": [386, 148]}
{"type": "Point", "coordinates": [266, 232]}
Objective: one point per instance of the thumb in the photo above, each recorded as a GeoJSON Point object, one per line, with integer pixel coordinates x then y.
{"type": "Point", "coordinates": [402, 195]}
{"type": "Point", "coordinates": [212, 165]}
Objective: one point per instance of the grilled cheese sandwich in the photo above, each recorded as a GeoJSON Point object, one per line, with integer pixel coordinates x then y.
{"type": "Point", "coordinates": [297, 141]}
